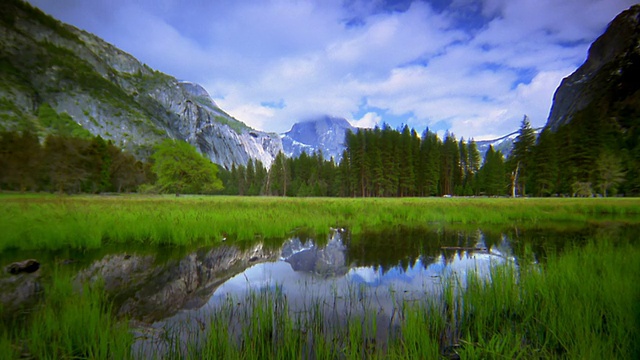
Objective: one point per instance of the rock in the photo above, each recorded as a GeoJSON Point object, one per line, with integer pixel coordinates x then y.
{"type": "Point", "coordinates": [147, 290]}
{"type": "Point", "coordinates": [326, 134]}
{"type": "Point", "coordinates": [112, 94]}
{"type": "Point", "coordinates": [26, 266]}
{"type": "Point", "coordinates": [611, 73]}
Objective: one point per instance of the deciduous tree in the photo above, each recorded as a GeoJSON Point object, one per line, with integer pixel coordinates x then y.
{"type": "Point", "coordinates": [181, 169]}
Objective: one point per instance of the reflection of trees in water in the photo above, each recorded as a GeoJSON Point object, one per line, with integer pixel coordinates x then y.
{"type": "Point", "coordinates": [402, 247]}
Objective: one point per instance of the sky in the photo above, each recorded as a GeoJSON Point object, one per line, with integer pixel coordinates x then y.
{"type": "Point", "coordinates": [471, 67]}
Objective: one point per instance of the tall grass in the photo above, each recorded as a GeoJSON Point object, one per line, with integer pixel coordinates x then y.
{"type": "Point", "coordinates": [581, 304]}
{"type": "Point", "coordinates": [54, 222]}
{"type": "Point", "coordinates": [69, 324]}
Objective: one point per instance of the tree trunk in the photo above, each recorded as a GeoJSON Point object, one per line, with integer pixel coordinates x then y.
{"type": "Point", "coordinates": [514, 180]}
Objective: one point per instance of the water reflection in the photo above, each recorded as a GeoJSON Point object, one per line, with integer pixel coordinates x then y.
{"type": "Point", "coordinates": [334, 280]}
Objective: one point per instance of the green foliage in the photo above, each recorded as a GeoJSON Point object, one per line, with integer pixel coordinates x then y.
{"type": "Point", "coordinates": [54, 222]}
{"type": "Point", "coordinates": [70, 324]}
{"type": "Point", "coordinates": [609, 172]}
{"type": "Point", "coordinates": [600, 144]}
{"type": "Point", "coordinates": [66, 164]}
{"type": "Point", "coordinates": [60, 124]}
{"type": "Point", "coordinates": [234, 124]}
{"type": "Point", "coordinates": [520, 160]}
{"type": "Point", "coordinates": [181, 169]}
{"type": "Point", "coordinates": [21, 160]}
{"type": "Point", "coordinates": [492, 175]}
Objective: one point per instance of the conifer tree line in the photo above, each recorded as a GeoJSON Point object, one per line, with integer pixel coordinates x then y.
{"type": "Point", "coordinates": [590, 156]}
{"type": "Point", "coordinates": [379, 162]}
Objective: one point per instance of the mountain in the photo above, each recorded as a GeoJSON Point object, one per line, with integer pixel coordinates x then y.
{"type": "Point", "coordinates": [326, 134]}
{"type": "Point", "coordinates": [610, 77]}
{"type": "Point", "coordinates": [47, 65]}
{"type": "Point", "coordinates": [504, 144]}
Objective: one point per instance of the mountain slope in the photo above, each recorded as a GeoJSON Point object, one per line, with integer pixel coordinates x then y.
{"type": "Point", "coordinates": [610, 77]}
{"type": "Point", "coordinates": [110, 93]}
{"type": "Point", "coordinates": [504, 144]}
{"type": "Point", "coordinates": [326, 134]}
{"type": "Point", "coordinates": [594, 124]}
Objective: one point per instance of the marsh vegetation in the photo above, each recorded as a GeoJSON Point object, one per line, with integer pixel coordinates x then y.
{"type": "Point", "coordinates": [224, 277]}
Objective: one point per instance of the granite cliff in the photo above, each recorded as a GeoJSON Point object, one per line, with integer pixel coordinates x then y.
{"type": "Point", "coordinates": [110, 93]}
{"type": "Point", "coordinates": [609, 79]}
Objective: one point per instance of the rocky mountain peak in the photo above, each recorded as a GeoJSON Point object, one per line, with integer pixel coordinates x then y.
{"type": "Point", "coordinates": [610, 73]}
{"type": "Point", "coordinates": [325, 133]}
{"type": "Point", "coordinates": [44, 62]}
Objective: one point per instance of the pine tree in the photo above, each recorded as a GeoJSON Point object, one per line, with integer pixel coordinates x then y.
{"type": "Point", "coordinates": [492, 174]}
{"type": "Point", "coordinates": [473, 165]}
{"type": "Point", "coordinates": [521, 157]}
{"type": "Point", "coordinates": [407, 176]}
{"type": "Point", "coordinates": [544, 165]}
{"type": "Point", "coordinates": [430, 149]}
{"type": "Point", "coordinates": [609, 170]}
{"type": "Point", "coordinates": [451, 174]}
{"type": "Point", "coordinates": [279, 175]}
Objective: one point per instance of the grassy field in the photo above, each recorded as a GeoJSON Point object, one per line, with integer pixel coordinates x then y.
{"type": "Point", "coordinates": [581, 303]}
{"type": "Point", "coordinates": [55, 222]}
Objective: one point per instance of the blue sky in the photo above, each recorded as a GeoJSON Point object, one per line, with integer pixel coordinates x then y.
{"type": "Point", "coordinates": [473, 67]}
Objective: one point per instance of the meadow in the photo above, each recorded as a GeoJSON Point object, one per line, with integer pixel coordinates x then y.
{"type": "Point", "coordinates": [32, 222]}
{"type": "Point", "coordinates": [581, 303]}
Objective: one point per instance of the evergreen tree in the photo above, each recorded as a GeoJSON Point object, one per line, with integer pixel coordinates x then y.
{"type": "Point", "coordinates": [451, 173]}
{"type": "Point", "coordinates": [407, 177]}
{"type": "Point", "coordinates": [473, 165]}
{"type": "Point", "coordinates": [429, 174]}
{"type": "Point", "coordinates": [609, 171]}
{"type": "Point", "coordinates": [521, 157]}
{"type": "Point", "coordinates": [279, 176]}
{"type": "Point", "coordinates": [544, 165]}
{"type": "Point", "coordinates": [492, 174]}
{"type": "Point", "coordinates": [344, 176]}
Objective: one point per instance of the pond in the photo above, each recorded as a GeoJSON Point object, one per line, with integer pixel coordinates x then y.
{"type": "Point", "coordinates": [174, 295]}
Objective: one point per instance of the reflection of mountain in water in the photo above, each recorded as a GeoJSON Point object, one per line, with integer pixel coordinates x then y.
{"type": "Point", "coordinates": [148, 289]}
{"type": "Point", "coordinates": [308, 274]}
{"type": "Point", "coordinates": [328, 260]}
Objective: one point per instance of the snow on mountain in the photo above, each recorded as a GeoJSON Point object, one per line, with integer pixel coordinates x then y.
{"type": "Point", "coordinates": [504, 144]}
{"type": "Point", "coordinates": [325, 134]}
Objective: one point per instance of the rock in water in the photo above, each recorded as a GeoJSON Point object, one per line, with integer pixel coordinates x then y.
{"type": "Point", "coordinates": [27, 266]}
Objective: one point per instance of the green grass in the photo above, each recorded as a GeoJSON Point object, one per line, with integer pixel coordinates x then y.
{"type": "Point", "coordinates": [54, 222]}
{"type": "Point", "coordinates": [70, 323]}
{"type": "Point", "coordinates": [580, 305]}
{"type": "Point", "coordinates": [583, 303]}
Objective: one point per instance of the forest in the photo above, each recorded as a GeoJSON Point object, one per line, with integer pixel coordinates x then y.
{"type": "Point", "coordinates": [67, 164]}
{"type": "Point", "coordinates": [582, 158]}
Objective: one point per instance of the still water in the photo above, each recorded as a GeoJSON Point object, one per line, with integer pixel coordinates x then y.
{"type": "Point", "coordinates": [171, 294]}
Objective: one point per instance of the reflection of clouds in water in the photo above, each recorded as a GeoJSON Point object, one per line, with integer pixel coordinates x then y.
{"type": "Point", "coordinates": [310, 274]}
{"type": "Point", "coordinates": [415, 279]}
{"type": "Point", "coordinates": [306, 270]}
{"type": "Point", "coordinates": [367, 275]}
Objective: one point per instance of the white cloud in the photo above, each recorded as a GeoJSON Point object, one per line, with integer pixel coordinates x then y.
{"type": "Point", "coordinates": [368, 120]}
{"type": "Point", "coordinates": [476, 66]}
